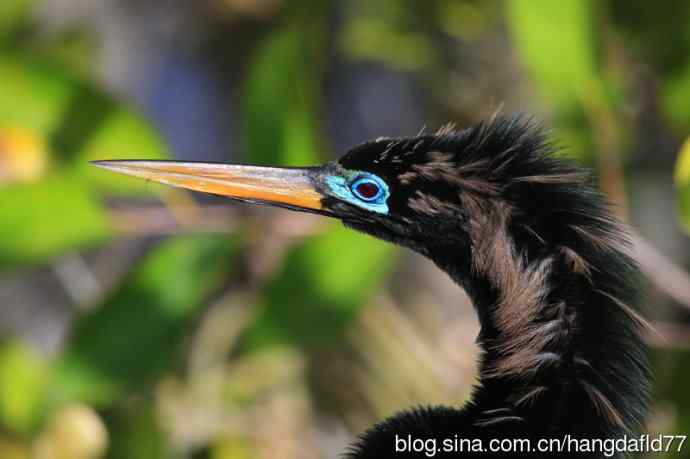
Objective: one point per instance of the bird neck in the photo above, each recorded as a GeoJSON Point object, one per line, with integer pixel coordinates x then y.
{"type": "Point", "coordinates": [561, 351]}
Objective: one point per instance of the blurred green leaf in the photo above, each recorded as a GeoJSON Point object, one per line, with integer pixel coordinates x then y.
{"type": "Point", "coordinates": [40, 221]}
{"type": "Point", "coordinates": [682, 179]}
{"type": "Point", "coordinates": [399, 34]}
{"type": "Point", "coordinates": [646, 31]}
{"type": "Point", "coordinates": [137, 333]}
{"type": "Point", "coordinates": [281, 99]}
{"type": "Point", "coordinates": [76, 123]}
{"type": "Point", "coordinates": [467, 20]}
{"type": "Point", "coordinates": [33, 93]}
{"type": "Point", "coordinates": [322, 286]}
{"type": "Point", "coordinates": [80, 121]}
{"type": "Point", "coordinates": [136, 433]}
{"type": "Point", "coordinates": [122, 135]}
{"type": "Point", "coordinates": [378, 38]}
{"type": "Point", "coordinates": [23, 380]}
{"type": "Point", "coordinates": [558, 45]}
{"type": "Point", "coordinates": [233, 448]}
{"type": "Point", "coordinates": [674, 97]}
{"type": "Point", "coordinates": [13, 13]}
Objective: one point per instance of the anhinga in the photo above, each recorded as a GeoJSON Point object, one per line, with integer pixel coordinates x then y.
{"type": "Point", "coordinates": [524, 232]}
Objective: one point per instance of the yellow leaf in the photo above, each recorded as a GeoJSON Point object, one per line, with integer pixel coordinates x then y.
{"type": "Point", "coordinates": [682, 174]}
{"type": "Point", "coordinates": [75, 432]}
{"type": "Point", "coordinates": [23, 155]}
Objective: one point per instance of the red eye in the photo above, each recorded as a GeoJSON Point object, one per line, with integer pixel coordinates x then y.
{"type": "Point", "coordinates": [367, 190]}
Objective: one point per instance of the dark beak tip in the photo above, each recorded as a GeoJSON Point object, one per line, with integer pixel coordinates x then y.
{"type": "Point", "coordinates": [105, 164]}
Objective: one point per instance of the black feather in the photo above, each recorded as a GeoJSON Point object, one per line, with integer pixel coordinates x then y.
{"type": "Point", "coordinates": [546, 263]}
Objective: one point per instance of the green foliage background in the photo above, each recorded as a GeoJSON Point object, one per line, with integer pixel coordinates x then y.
{"type": "Point", "coordinates": [578, 63]}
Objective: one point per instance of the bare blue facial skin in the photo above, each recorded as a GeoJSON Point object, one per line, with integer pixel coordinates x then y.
{"type": "Point", "coordinates": [346, 188]}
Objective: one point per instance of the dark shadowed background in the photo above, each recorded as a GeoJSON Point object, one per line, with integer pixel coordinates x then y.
{"type": "Point", "coordinates": [138, 321]}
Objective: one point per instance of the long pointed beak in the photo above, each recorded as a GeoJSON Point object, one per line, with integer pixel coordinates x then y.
{"type": "Point", "coordinates": [284, 187]}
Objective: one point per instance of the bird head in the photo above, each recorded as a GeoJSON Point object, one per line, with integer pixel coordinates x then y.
{"type": "Point", "coordinates": [418, 192]}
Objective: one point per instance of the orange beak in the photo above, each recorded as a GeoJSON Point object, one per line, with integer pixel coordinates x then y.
{"type": "Point", "coordinates": [285, 187]}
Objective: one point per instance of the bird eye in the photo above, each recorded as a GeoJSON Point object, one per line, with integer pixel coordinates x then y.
{"type": "Point", "coordinates": [366, 189]}
{"type": "Point", "coordinates": [361, 189]}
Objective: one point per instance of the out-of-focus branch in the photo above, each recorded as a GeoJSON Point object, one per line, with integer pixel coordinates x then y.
{"type": "Point", "coordinates": [607, 139]}
{"type": "Point", "coordinates": [158, 220]}
{"type": "Point", "coordinates": [662, 271]}
{"type": "Point", "coordinates": [669, 336]}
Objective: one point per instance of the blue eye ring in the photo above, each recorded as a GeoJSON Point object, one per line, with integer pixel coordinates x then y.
{"type": "Point", "coordinates": [346, 186]}
{"type": "Point", "coordinates": [362, 194]}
